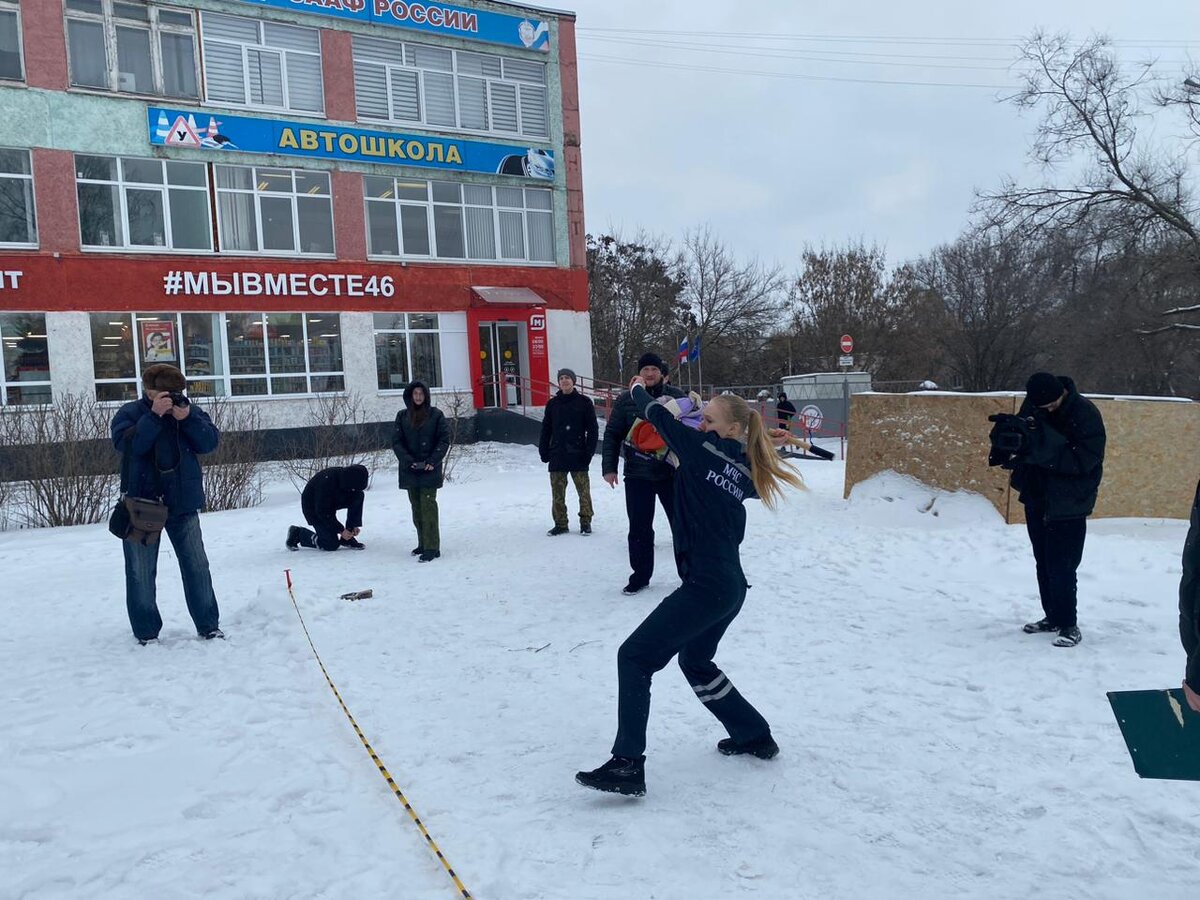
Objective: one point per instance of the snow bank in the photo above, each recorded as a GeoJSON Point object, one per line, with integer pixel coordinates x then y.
{"type": "Point", "coordinates": [891, 499]}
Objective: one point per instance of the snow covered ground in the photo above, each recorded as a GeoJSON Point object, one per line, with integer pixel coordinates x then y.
{"type": "Point", "coordinates": [930, 750]}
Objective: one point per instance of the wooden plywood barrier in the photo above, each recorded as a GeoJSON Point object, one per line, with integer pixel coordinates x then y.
{"type": "Point", "coordinates": [1150, 469]}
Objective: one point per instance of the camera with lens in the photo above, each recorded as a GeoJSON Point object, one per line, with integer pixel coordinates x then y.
{"type": "Point", "coordinates": [1010, 439]}
{"type": "Point", "coordinates": [179, 398]}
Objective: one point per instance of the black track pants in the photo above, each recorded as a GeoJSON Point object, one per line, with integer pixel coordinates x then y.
{"type": "Point", "coordinates": [640, 495]}
{"type": "Point", "coordinates": [1057, 550]}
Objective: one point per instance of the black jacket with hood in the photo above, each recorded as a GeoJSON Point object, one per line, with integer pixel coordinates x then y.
{"type": "Point", "coordinates": [339, 487]}
{"type": "Point", "coordinates": [569, 432]}
{"type": "Point", "coordinates": [420, 444]}
{"type": "Point", "coordinates": [1060, 475]}
{"type": "Point", "coordinates": [1189, 598]}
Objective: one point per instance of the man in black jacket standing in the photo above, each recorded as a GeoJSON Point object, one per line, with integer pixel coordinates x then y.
{"type": "Point", "coordinates": [646, 477]}
{"type": "Point", "coordinates": [1055, 449]}
{"type": "Point", "coordinates": [784, 410]}
{"type": "Point", "coordinates": [567, 444]}
{"type": "Point", "coordinates": [327, 492]}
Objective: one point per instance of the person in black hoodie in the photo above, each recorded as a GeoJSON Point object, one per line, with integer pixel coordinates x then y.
{"type": "Point", "coordinates": [1055, 449]}
{"type": "Point", "coordinates": [567, 444]}
{"type": "Point", "coordinates": [327, 492]}
{"type": "Point", "coordinates": [646, 477]}
{"type": "Point", "coordinates": [1189, 607]}
{"type": "Point", "coordinates": [420, 442]}
{"type": "Point", "coordinates": [728, 461]}
{"type": "Point", "coordinates": [784, 410]}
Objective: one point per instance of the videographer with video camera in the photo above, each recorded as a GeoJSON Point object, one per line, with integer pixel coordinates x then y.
{"type": "Point", "coordinates": [159, 437]}
{"type": "Point", "coordinates": [1055, 449]}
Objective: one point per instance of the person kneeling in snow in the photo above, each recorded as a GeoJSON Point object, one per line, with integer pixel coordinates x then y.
{"type": "Point", "coordinates": [327, 492]}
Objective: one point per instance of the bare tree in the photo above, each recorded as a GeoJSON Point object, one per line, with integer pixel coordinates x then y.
{"type": "Point", "coordinates": [458, 407]}
{"type": "Point", "coordinates": [339, 433]}
{"type": "Point", "coordinates": [233, 472]}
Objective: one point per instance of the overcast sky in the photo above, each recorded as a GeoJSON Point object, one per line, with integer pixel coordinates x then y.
{"type": "Point", "coordinates": [774, 163]}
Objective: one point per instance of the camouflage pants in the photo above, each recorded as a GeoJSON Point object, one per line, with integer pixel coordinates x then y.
{"type": "Point", "coordinates": [558, 489]}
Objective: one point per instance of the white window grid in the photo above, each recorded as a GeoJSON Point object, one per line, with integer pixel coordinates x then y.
{"type": "Point", "coordinates": [259, 193]}
{"type": "Point", "coordinates": [220, 330]}
{"type": "Point", "coordinates": [109, 20]}
{"type": "Point", "coordinates": [164, 188]}
{"type": "Point", "coordinates": [31, 214]}
{"type": "Point", "coordinates": [8, 337]}
{"type": "Point", "coordinates": [497, 207]}
{"type": "Point", "coordinates": [377, 54]}
{"type": "Point", "coordinates": [407, 331]}
{"type": "Point", "coordinates": [13, 8]}
{"type": "Point", "coordinates": [263, 46]}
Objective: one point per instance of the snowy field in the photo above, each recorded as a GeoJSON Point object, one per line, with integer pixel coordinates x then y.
{"type": "Point", "coordinates": [929, 748]}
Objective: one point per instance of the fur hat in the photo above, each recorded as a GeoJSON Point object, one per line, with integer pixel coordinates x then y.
{"type": "Point", "coordinates": [651, 358]}
{"type": "Point", "coordinates": [1042, 389]}
{"type": "Point", "coordinates": [569, 373]}
{"type": "Point", "coordinates": [163, 377]}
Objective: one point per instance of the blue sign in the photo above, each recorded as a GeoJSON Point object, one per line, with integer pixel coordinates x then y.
{"type": "Point", "coordinates": [206, 130]}
{"type": "Point", "coordinates": [433, 18]}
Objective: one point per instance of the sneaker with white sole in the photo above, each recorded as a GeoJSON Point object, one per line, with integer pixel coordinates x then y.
{"type": "Point", "coordinates": [1068, 637]}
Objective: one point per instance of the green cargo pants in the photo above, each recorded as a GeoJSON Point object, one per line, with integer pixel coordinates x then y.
{"type": "Point", "coordinates": [425, 517]}
{"type": "Point", "coordinates": [558, 490]}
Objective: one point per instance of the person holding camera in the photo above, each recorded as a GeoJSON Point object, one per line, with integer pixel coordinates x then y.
{"type": "Point", "coordinates": [1189, 607]}
{"type": "Point", "coordinates": [160, 437]}
{"type": "Point", "coordinates": [420, 441]}
{"type": "Point", "coordinates": [1054, 448]}
{"type": "Point", "coordinates": [332, 489]}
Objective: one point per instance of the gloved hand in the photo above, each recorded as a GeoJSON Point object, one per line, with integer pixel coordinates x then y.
{"type": "Point", "coordinates": [1010, 439]}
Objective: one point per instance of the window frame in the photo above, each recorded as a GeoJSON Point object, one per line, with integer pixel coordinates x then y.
{"type": "Point", "coordinates": [263, 47]}
{"type": "Point", "coordinates": [109, 22]}
{"type": "Point", "coordinates": [6, 385]}
{"type": "Point", "coordinates": [220, 322]}
{"type": "Point", "coordinates": [15, 7]}
{"type": "Point", "coordinates": [294, 195]}
{"type": "Point", "coordinates": [36, 242]}
{"type": "Point", "coordinates": [165, 188]}
{"type": "Point", "coordinates": [430, 205]}
{"type": "Point", "coordinates": [405, 50]}
{"type": "Point", "coordinates": [407, 331]}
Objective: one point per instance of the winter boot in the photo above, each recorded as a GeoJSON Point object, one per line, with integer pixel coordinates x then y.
{"type": "Point", "coordinates": [1040, 626]}
{"type": "Point", "coordinates": [585, 527]}
{"type": "Point", "coordinates": [634, 587]}
{"type": "Point", "coordinates": [763, 747]}
{"type": "Point", "coordinates": [1068, 637]}
{"type": "Point", "coordinates": [143, 643]}
{"type": "Point", "coordinates": [620, 775]}
{"type": "Point", "coordinates": [557, 530]}
{"type": "Point", "coordinates": [417, 551]}
{"type": "Point", "coordinates": [429, 555]}
{"type": "Point", "coordinates": [296, 536]}
{"type": "Point", "coordinates": [351, 544]}
{"type": "Point", "coordinates": [215, 633]}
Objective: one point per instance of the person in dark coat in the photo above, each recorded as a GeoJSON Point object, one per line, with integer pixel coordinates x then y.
{"type": "Point", "coordinates": [159, 437]}
{"type": "Point", "coordinates": [567, 445]}
{"type": "Point", "coordinates": [421, 440]}
{"type": "Point", "coordinates": [728, 461]}
{"type": "Point", "coordinates": [1189, 607]}
{"type": "Point", "coordinates": [339, 487]}
{"type": "Point", "coordinates": [784, 410]}
{"type": "Point", "coordinates": [1057, 464]}
{"type": "Point", "coordinates": [646, 477]}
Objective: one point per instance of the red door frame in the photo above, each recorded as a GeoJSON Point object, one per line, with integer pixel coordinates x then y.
{"type": "Point", "coordinates": [534, 319]}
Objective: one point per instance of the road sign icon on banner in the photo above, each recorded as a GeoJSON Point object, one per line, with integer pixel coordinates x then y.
{"type": "Point", "coordinates": [812, 417]}
{"type": "Point", "coordinates": [182, 134]}
{"type": "Point", "coordinates": [847, 344]}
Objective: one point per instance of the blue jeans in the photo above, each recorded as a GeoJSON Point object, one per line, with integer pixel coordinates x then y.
{"type": "Point", "coordinates": [141, 570]}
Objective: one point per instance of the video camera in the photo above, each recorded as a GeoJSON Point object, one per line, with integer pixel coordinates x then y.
{"type": "Point", "coordinates": [1010, 438]}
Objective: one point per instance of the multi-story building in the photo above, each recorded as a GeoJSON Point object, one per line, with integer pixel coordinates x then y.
{"type": "Point", "coordinates": [288, 198]}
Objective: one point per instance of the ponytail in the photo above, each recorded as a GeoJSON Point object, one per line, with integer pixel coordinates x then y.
{"type": "Point", "coordinates": [767, 470]}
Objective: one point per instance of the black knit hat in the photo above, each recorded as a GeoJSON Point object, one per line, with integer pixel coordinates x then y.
{"type": "Point", "coordinates": [570, 373]}
{"type": "Point", "coordinates": [162, 377]}
{"type": "Point", "coordinates": [651, 358]}
{"type": "Point", "coordinates": [1042, 389]}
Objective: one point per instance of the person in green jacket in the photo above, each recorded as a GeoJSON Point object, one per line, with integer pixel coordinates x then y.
{"type": "Point", "coordinates": [420, 442]}
{"type": "Point", "coordinates": [1189, 607]}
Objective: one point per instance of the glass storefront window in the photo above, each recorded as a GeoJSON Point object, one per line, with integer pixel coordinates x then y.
{"type": "Point", "coordinates": [407, 348]}
{"type": "Point", "coordinates": [25, 378]}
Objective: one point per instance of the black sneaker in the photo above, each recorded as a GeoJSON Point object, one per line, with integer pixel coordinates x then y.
{"type": "Point", "coordinates": [143, 643]}
{"type": "Point", "coordinates": [557, 530]}
{"type": "Point", "coordinates": [763, 747]}
{"type": "Point", "coordinates": [215, 633]}
{"type": "Point", "coordinates": [1040, 626]}
{"type": "Point", "coordinates": [294, 537]}
{"type": "Point", "coordinates": [417, 551]}
{"type": "Point", "coordinates": [620, 775]}
{"type": "Point", "coordinates": [634, 587]}
{"type": "Point", "coordinates": [428, 555]}
{"type": "Point", "coordinates": [585, 527]}
{"type": "Point", "coordinates": [351, 544]}
{"type": "Point", "coordinates": [1068, 637]}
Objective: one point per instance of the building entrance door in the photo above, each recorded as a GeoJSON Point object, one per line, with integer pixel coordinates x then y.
{"type": "Point", "coordinates": [503, 363]}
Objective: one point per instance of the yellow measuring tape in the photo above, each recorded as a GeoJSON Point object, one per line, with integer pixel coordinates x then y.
{"type": "Point", "coordinates": [462, 889]}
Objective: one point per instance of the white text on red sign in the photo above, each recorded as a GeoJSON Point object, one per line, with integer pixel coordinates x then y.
{"type": "Point", "coordinates": [9, 279]}
{"type": "Point", "coordinates": [276, 284]}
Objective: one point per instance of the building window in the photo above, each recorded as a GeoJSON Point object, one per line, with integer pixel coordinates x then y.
{"type": "Point", "coordinates": [448, 220]}
{"type": "Point", "coordinates": [143, 203]}
{"type": "Point", "coordinates": [407, 348]}
{"type": "Point", "coordinates": [26, 376]}
{"type": "Point", "coordinates": [263, 210]}
{"type": "Point", "coordinates": [262, 64]}
{"type": "Point", "coordinates": [134, 48]}
{"type": "Point", "coordinates": [18, 227]}
{"type": "Point", "coordinates": [416, 84]}
{"type": "Point", "coordinates": [222, 354]}
{"type": "Point", "coordinates": [10, 41]}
